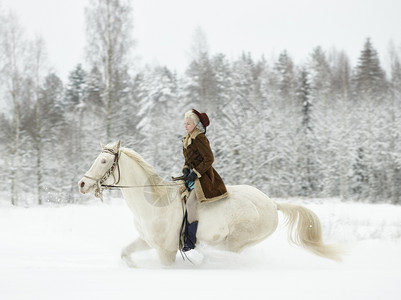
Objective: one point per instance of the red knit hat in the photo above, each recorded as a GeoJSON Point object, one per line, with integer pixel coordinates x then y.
{"type": "Point", "coordinates": [203, 118]}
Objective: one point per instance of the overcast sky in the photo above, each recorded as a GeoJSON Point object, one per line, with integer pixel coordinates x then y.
{"type": "Point", "coordinates": [163, 29]}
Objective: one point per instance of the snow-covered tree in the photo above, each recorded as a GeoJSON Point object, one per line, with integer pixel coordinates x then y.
{"type": "Point", "coordinates": [369, 95]}
{"type": "Point", "coordinates": [220, 122]}
{"type": "Point", "coordinates": [285, 75]}
{"type": "Point", "coordinates": [394, 149]}
{"type": "Point", "coordinates": [340, 110]}
{"type": "Point", "coordinates": [49, 137]}
{"type": "Point", "coordinates": [13, 48]}
{"type": "Point", "coordinates": [201, 87]}
{"type": "Point", "coordinates": [324, 121]}
{"type": "Point", "coordinates": [109, 42]}
{"type": "Point", "coordinates": [369, 78]}
{"type": "Point", "coordinates": [160, 121]}
{"type": "Point", "coordinates": [38, 67]}
{"type": "Point", "coordinates": [75, 88]}
{"type": "Point", "coordinates": [307, 160]}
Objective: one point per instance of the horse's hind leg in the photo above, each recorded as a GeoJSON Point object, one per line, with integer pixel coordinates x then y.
{"type": "Point", "coordinates": [137, 245]}
{"type": "Point", "coordinates": [246, 235]}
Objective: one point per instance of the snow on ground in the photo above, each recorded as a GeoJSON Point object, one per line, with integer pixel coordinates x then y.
{"type": "Point", "coordinates": [73, 252]}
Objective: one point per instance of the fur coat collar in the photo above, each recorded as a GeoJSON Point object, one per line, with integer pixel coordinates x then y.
{"type": "Point", "coordinates": [189, 137]}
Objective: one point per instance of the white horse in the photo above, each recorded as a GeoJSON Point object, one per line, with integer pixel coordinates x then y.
{"type": "Point", "coordinates": [243, 219]}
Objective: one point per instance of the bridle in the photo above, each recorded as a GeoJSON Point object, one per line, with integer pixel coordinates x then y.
{"type": "Point", "coordinates": [99, 182]}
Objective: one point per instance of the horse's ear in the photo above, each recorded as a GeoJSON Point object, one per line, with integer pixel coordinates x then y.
{"type": "Point", "coordinates": [101, 145]}
{"type": "Point", "coordinates": [117, 146]}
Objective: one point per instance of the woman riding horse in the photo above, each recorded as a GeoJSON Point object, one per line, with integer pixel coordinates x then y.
{"type": "Point", "coordinates": [203, 183]}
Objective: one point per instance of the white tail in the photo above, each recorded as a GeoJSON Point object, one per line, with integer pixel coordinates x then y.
{"type": "Point", "coordinates": [305, 231]}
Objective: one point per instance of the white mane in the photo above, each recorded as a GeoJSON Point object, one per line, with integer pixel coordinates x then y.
{"type": "Point", "coordinates": [144, 165]}
{"type": "Point", "coordinates": [161, 188]}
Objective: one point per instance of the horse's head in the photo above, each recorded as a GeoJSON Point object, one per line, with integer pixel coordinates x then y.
{"type": "Point", "coordinates": [100, 173]}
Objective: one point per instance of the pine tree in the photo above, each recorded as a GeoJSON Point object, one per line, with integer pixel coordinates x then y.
{"type": "Point", "coordinates": [74, 93]}
{"type": "Point", "coordinates": [308, 169]}
{"type": "Point", "coordinates": [369, 77]}
{"type": "Point", "coordinates": [284, 71]}
{"type": "Point", "coordinates": [93, 89]}
{"type": "Point", "coordinates": [369, 92]}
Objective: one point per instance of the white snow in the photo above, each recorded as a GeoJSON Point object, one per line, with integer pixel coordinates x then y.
{"type": "Point", "coordinates": [73, 252]}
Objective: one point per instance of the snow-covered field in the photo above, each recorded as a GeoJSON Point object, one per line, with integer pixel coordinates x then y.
{"type": "Point", "coordinates": [73, 252]}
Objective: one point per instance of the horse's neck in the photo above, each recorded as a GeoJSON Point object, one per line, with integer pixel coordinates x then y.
{"type": "Point", "coordinates": [131, 172]}
{"type": "Point", "coordinates": [147, 189]}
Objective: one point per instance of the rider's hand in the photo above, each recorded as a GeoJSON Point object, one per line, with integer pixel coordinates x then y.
{"type": "Point", "coordinates": [186, 172]}
{"type": "Point", "coordinates": [191, 176]}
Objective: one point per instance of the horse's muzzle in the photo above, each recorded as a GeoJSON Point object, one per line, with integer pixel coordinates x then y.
{"type": "Point", "coordinates": [81, 186]}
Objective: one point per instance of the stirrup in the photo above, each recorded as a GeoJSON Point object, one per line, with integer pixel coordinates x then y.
{"type": "Point", "coordinates": [188, 246]}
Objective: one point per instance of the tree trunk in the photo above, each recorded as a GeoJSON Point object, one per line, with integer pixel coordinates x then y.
{"type": "Point", "coordinates": [15, 149]}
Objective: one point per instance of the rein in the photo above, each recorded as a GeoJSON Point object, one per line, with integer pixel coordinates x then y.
{"type": "Point", "coordinates": [112, 186]}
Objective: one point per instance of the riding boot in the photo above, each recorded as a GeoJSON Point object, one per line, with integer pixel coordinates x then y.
{"type": "Point", "coordinates": [190, 236]}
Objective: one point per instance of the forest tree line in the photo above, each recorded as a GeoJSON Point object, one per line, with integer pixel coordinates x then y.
{"type": "Point", "coordinates": [323, 128]}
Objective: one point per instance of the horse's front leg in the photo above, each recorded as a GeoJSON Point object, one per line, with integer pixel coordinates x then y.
{"type": "Point", "coordinates": [167, 257]}
{"type": "Point", "coordinates": [137, 245]}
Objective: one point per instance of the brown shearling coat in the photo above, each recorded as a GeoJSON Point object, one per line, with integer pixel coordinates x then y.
{"type": "Point", "coordinates": [199, 157]}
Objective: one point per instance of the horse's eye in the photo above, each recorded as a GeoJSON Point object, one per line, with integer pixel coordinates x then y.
{"type": "Point", "coordinates": [103, 161]}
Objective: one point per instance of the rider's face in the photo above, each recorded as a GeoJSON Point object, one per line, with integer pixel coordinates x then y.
{"type": "Point", "coordinates": [189, 125]}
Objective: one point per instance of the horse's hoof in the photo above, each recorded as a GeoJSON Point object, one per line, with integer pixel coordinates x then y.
{"type": "Point", "coordinates": [127, 259]}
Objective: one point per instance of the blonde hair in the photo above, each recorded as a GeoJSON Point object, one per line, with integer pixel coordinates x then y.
{"type": "Point", "coordinates": [194, 117]}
